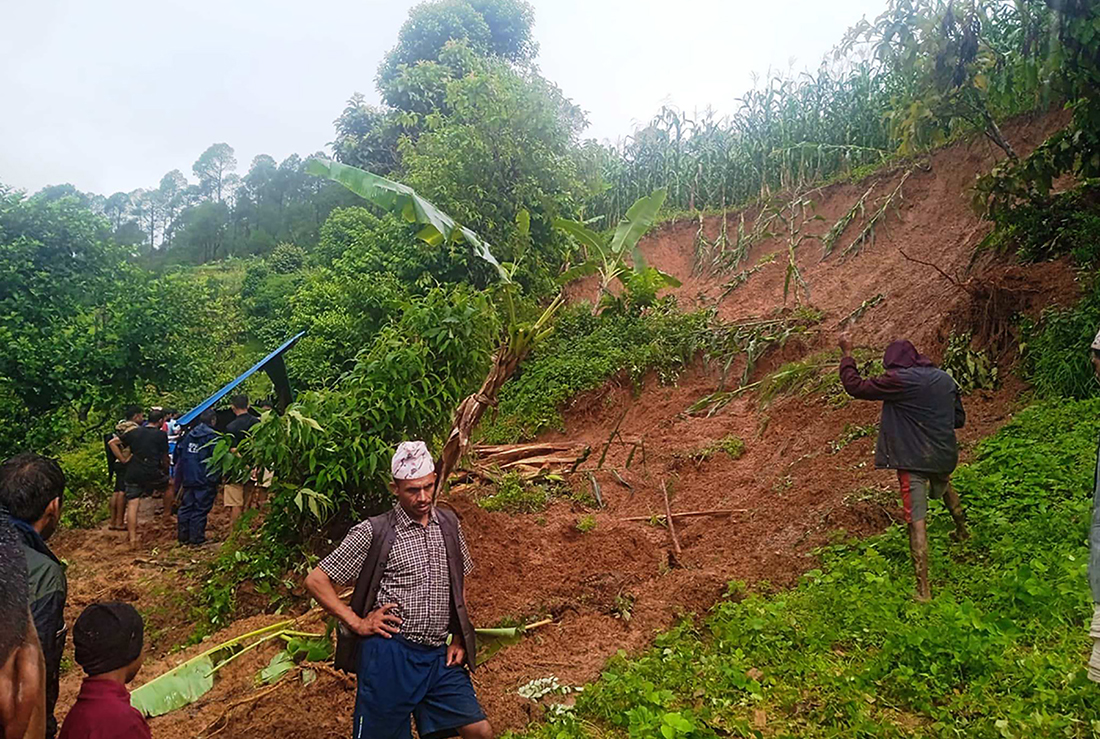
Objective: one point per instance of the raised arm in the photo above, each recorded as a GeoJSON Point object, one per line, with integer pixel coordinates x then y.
{"type": "Point", "coordinates": [886, 386]}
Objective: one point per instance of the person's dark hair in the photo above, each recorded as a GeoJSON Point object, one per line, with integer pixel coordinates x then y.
{"type": "Point", "coordinates": [240, 402]}
{"type": "Point", "coordinates": [266, 403]}
{"type": "Point", "coordinates": [171, 412]}
{"type": "Point", "coordinates": [209, 416]}
{"type": "Point", "coordinates": [28, 482]}
{"type": "Point", "coordinates": [155, 416]}
{"type": "Point", "coordinates": [13, 590]}
{"type": "Point", "coordinates": [130, 411]}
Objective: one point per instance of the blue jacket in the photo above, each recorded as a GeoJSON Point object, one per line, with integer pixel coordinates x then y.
{"type": "Point", "coordinates": [193, 455]}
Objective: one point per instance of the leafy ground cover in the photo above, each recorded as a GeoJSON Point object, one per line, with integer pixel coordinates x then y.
{"type": "Point", "coordinates": [583, 352]}
{"type": "Point", "coordinates": [999, 652]}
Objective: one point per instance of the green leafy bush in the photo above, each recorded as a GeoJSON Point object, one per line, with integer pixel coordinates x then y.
{"type": "Point", "coordinates": [87, 489]}
{"type": "Point", "coordinates": [1069, 223]}
{"type": "Point", "coordinates": [336, 443]}
{"type": "Point", "coordinates": [585, 351]}
{"type": "Point", "coordinates": [971, 368]}
{"type": "Point", "coordinates": [287, 258]}
{"type": "Point", "coordinates": [1056, 348]}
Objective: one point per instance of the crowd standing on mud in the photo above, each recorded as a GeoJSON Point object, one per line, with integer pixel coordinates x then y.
{"type": "Point", "coordinates": [406, 633]}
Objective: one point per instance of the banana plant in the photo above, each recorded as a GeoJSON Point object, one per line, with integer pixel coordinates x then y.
{"type": "Point", "coordinates": [609, 260]}
{"type": "Point", "coordinates": [438, 228]}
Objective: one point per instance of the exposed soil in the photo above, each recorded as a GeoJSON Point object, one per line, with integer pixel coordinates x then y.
{"type": "Point", "coordinates": [790, 490]}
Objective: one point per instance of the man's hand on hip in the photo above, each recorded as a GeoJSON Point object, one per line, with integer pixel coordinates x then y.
{"type": "Point", "coordinates": [456, 653]}
{"type": "Point", "coordinates": [379, 622]}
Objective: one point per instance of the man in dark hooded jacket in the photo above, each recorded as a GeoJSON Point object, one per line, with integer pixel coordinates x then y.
{"type": "Point", "coordinates": [921, 408]}
{"type": "Point", "coordinates": [31, 489]}
{"type": "Point", "coordinates": [197, 482]}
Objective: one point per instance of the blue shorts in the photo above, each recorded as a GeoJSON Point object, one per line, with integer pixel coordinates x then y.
{"type": "Point", "coordinates": [399, 679]}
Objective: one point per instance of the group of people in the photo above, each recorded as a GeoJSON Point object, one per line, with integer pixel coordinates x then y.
{"type": "Point", "coordinates": [406, 633]}
{"type": "Point", "coordinates": [108, 638]}
{"type": "Point", "coordinates": [152, 456]}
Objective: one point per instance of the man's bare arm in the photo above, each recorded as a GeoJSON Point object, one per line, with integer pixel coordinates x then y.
{"type": "Point", "coordinates": [320, 586]}
{"type": "Point", "coordinates": [379, 621]}
{"type": "Point", "coordinates": [122, 454]}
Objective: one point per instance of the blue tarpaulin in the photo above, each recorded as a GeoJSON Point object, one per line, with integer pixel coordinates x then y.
{"type": "Point", "coordinates": [276, 370]}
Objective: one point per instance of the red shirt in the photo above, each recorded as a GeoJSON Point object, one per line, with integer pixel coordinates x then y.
{"type": "Point", "coordinates": [103, 711]}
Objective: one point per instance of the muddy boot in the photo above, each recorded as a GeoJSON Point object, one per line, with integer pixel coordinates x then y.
{"type": "Point", "coordinates": [951, 498]}
{"type": "Point", "coordinates": [918, 548]}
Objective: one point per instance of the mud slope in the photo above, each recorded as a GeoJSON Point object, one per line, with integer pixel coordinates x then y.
{"type": "Point", "coordinates": [790, 489]}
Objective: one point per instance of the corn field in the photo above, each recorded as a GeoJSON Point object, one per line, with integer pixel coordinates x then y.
{"type": "Point", "coordinates": [792, 131]}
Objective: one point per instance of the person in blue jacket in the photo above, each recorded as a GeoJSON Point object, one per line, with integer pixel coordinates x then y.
{"type": "Point", "coordinates": [197, 482]}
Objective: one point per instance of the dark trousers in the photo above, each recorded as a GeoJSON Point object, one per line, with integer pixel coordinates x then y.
{"type": "Point", "coordinates": [195, 505]}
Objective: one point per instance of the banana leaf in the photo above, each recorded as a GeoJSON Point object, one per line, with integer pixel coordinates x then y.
{"type": "Point", "coordinates": [638, 219]}
{"type": "Point", "coordinates": [188, 682]}
{"type": "Point", "coordinates": [584, 269]}
{"type": "Point", "coordinates": [437, 226]}
{"type": "Point", "coordinates": [491, 641]}
{"type": "Point", "coordinates": [281, 663]}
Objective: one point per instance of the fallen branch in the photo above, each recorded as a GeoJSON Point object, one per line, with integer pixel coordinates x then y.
{"type": "Point", "coordinates": [688, 514]}
{"type": "Point", "coordinates": [671, 525]}
{"type": "Point", "coordinates": [965, 287]}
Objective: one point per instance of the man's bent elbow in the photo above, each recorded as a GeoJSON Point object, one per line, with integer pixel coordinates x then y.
{"type": "Point", "coordinates": [316, 582]}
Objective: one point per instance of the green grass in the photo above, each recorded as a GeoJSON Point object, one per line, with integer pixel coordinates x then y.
{"type": "Point", "coordinates": [731, 445]}
{"type": "Point", "coordinates": [1000, 652]}
{"type": "Point", "coordinates": [516, 495]}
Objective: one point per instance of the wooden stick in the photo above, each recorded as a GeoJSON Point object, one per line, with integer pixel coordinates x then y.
{"type": "Point", "coordinates": [611, 438]}
{"type": "Point", "coordinates": [689, 514]}
{"type": "Point", "coordinates": [671, 525]}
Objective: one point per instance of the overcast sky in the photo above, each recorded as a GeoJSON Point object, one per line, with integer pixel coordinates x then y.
{"type": "Point", "coordinates": [110, 95]}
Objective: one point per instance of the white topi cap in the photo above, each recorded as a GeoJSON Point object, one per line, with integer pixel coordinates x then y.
{"type": "Point", "coordinates": [1096, 341]}
{"type": "Point", "coordinates": [411, 460]}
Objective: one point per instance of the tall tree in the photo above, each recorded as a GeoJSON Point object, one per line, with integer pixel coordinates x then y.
{"type": "Point", "coordinates": [116, 208]}
{"type": "Point", "coordinates": [171, 195]}
{"type": "Point", "coordinates": [212, 167]}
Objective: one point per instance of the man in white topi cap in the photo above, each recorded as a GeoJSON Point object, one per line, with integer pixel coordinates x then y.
{"type": "Point", "coordinates": [406, 633]}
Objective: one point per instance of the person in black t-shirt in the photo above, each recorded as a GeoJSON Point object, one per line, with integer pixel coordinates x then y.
{"type": "Point", "coordinates": [234, 493]}
{"type": "Point", "coordinates": [147, 472]}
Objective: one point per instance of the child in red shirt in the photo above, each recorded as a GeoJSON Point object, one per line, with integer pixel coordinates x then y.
{"type": "Point", "coordinates": [109, 640]}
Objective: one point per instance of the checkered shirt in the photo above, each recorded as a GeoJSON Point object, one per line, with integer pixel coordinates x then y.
{"type": "Point", "coordinates": [415, 577]}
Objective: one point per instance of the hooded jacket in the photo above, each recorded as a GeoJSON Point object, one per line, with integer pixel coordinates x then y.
{"type": "Point", "coordinates": [193, 458]}
{"type": "Point", "coordinates": [921, 408]}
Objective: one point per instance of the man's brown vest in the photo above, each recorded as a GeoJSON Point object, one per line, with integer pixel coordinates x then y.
{"type": "Point", "coordinates": [364, 597]}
